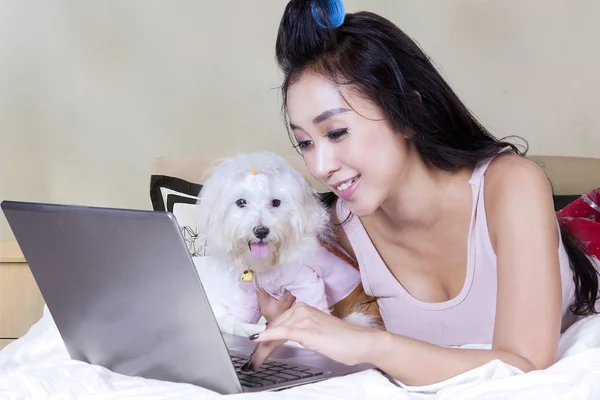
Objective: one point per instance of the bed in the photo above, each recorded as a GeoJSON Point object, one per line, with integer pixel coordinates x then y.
{"type": "Point", "coordinates": [37, 365]}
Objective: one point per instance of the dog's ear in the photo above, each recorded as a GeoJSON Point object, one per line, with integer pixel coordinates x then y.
{"type": "Point", "coordinates": [205, 203]}
{"type": "Point", "coordinates": [209, 200]}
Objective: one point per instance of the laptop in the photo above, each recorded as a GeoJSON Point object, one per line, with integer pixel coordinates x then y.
{"type": "Point", "coordinates": [125, 294]}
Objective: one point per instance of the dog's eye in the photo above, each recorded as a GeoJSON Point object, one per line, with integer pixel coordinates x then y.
{"type": "Point", "coordinates": [241, 202]}
{"type": "Point", "coordinates": [276, 202]}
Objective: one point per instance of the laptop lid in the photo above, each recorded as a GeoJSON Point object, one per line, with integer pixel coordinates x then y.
{"type": "Point", "coordinates": [124, 292]}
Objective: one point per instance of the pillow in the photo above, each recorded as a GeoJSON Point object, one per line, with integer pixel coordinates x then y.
{"type": "Point", "coordinates": [166, 191]}
{"type": "Point", "coordinates": [179, 197]}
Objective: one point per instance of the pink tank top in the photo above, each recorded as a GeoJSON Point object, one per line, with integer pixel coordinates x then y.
{"type": "Point", "coordinates": [466, 319]}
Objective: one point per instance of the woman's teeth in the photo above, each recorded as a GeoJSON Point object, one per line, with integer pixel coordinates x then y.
{"type": "Point", "coordinates": [346, 184]}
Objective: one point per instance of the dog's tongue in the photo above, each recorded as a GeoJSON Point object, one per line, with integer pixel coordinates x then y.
{"type": "Point", "coordinates": [259, 250]}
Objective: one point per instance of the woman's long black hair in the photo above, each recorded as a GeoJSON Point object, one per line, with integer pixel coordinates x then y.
{"type": "Point", "coordinates": [372, 55]}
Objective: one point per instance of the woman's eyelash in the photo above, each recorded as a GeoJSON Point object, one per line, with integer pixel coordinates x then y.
{"type": "Point", "coordinates": [336, 134]}
{"type": "Point", "coordinates": [303, 144]}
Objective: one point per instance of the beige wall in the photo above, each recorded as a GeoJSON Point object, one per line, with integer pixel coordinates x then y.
{"type": "Point", "coordinates": [92, 91]}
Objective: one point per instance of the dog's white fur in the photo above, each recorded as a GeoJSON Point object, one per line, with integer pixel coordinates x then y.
{"type": "Point", "coordinates": [296, 225]}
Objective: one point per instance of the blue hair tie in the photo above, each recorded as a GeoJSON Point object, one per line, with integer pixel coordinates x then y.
{"type": "Point", "coordinates": [335, 10]}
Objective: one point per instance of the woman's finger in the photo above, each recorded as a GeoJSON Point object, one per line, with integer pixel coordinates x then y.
{"type": "Point", "coordinates": [262, 351]}
{"type": "Point", "coordinates": [295, 316]}
{"type": "Point", "coordinates": [284, 318]}
{"type": "Point", "coordinates": [288, 299]}
{"type": "Point", "coordinates": [285, 333]}
{"type": "Point", "coordinates": [263, 296]}
{"type": "Point", "coordinates": [275, 338]}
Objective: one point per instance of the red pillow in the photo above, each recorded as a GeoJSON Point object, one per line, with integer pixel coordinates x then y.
{"type": "Point", "coordinates": [582, 217]}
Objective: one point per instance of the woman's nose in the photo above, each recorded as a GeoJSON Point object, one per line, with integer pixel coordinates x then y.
{"type": "Point", "coordinates": [325, 163]}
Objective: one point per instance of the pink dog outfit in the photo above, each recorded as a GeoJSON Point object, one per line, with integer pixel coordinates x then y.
{"type": "Point", "coordinates": [320, 283]}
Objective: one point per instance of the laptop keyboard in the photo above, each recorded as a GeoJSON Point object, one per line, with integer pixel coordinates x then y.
{"type": "Point", "coordinates": [271, 372]}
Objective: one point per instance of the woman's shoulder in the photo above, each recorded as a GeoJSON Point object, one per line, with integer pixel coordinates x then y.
{"type": "Point", "coordinates": [514, 176]}
{"type": "Point", "coordinates": [517, 194]}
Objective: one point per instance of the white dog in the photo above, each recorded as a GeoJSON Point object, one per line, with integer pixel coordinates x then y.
{"type": "Point", "coordinates": [265, 224]}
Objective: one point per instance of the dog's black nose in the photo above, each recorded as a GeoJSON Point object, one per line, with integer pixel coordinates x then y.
{"type": "Point", "coordinates": [261, 232]}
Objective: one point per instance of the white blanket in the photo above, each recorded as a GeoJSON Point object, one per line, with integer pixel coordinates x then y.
{"type": "Point", "coordinates": [37, 366]}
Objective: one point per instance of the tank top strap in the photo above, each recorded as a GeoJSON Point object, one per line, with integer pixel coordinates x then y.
{"type": "Point", "coordinates": [479, 171]}
{"type": "Point", "coordinates": [364, 251]}
{"type": "Point", "coordinates": [482, 166]}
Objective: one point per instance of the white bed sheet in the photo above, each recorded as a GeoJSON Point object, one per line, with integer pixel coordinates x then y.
{"type": "Point", "coordinates": [37, 366]}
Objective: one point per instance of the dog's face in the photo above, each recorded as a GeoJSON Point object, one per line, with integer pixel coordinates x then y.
{"type": "Point", "coordinates": [257, 210]}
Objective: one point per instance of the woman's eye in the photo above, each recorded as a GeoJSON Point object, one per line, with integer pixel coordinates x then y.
{"type": "Point", "coordinates": [241, 203]}
{"type": "Point", "coordinates": [334, 136]}
{"type": "Point", "coordinates": [304, 144]}
{"type": "Point", "coordinates": [337, 134]}
{"type": "Point", "coordinates": [276, 202]}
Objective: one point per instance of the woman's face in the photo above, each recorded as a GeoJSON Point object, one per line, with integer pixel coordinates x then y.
{"type": "Point", "coordinates": [346, 143]}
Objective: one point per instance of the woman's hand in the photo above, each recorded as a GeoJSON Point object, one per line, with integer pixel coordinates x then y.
{"type": "Point", "coordinates": [318, 331]}
{"type": "Point", "coordinates": [271, 308]}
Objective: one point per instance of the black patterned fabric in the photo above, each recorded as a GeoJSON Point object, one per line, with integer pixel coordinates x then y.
{"type": "Point", "coordinates": [179, 197]}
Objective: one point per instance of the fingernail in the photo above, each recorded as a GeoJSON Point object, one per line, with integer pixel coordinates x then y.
{"type": "Point", "coordinates": [247, 366]}
{"type": "Point", "coordinates": [252, 337]}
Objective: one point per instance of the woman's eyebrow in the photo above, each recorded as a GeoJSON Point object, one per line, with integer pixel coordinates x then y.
{"type": "Point", "coordinates": [328, 114]}
{"type": "Point", "coordinates": [322, 117]}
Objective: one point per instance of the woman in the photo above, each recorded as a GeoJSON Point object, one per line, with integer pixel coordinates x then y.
{"type": "Point", "coordinates": [454, 231]}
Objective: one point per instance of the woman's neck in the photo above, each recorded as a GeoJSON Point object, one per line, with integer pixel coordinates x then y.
{"type": "Point", "coordinates": [422, 195]}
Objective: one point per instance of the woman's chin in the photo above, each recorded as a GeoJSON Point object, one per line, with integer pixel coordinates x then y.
{"type": "Point", "coordinates": [361, 208]}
